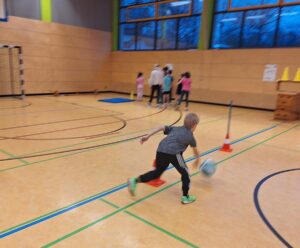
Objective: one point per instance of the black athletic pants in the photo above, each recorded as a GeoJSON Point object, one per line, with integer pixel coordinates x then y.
{"type": "Point", "coordinates": [157, 89]}
{"type": "Point", "coordinates": [162, 162]}
{"type": "Point", "coordinates": [170, 96]}
{"type": "Point", "coordinates": [186, 94]}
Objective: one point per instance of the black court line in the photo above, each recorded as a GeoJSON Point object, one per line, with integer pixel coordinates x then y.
{"type": "Point", "coordinates": [260, 212]}
{"type": "Point", "coordinates": [54, 122]}
{"type": "Point", "coordinates": [68, 129]}
{"type": "Point", "coordinates": [23, 137]}
{"type": "Point", "coordinates": [82, 106]}
{"type": "Point", "coordinates": [38, 112]}
{"type": "Point", "coordinates": [85, 148]}
{"type": "Point", "coordinates": [27, 104]}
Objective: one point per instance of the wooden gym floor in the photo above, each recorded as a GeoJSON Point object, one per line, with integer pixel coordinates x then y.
{"type": "Point", "coordinates": [64, 184]}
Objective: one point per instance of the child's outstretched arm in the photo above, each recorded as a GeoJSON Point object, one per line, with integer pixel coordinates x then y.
{"type": "Point", "coordinates": [197, 155]}
{"type": "Point", "coordinates": [179, 81]}
{"type": "Point", "coordinates": [146, 137]}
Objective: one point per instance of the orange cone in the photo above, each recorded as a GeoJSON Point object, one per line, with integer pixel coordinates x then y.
{"type": "Point", "coordinates": [156, 182]}
{"type": "Point", "coordinates": [226, 146]}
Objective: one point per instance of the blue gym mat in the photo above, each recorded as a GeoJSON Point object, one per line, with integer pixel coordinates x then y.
{"type": "Point", "coordinates": [116, 100]}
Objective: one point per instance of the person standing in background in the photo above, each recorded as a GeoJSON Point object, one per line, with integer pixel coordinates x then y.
{"type": "Point", "coordinates": [139, 86]}
{"type": "Point", "coordinates": [172, 80]}
{"type": "Point", "coordinates": [179, 88]}
{"type": "Point", "coordinates": [156, 80]}
{"type": "Point", "coordinates": [186, 89]}
{"type": "Point", "coordinates": [166, 88]}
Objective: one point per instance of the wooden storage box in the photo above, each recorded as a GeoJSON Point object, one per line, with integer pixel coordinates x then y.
{"type": "Point", "coordinates": [288, 102]}
{"type": "Point", "coordinates": [288, 107]}
{"type": "Point", "coordinates": [286, 115]}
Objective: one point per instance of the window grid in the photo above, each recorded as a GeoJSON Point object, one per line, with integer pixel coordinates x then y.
{"type": "Point", "coordinates": [177, 32]}
{"type": "Point", "coordinates": [277, 29]}
{"type": "Point", "coordinates": [280, 5]}
{"type": "Point", "coordinates": [156, 19]}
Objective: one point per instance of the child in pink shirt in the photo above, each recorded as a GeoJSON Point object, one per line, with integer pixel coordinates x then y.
{"type": "Point", "coordinates": [186, 88]}
{"type": "Point", "coordinates": [140, 86]}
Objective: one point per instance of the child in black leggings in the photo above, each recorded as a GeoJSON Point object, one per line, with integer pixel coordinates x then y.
{"type": "Point", "coordinates": [186, 88]}
{"type": "Point", "coordinates": [170, 151]}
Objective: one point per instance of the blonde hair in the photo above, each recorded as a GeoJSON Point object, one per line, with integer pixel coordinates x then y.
{"type": "Point", "coordinates": [190, 120]}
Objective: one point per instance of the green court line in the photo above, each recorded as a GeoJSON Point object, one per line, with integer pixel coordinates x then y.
{"type": "Point", "coordinates": [83, 200]}
{"type": "Point", "coordinates": [95, 140]}
{"type": "Point", "coordinates": [156, 192]}
{"type": "Point", "coordinates": [280, 148]}
{"type": "Point", "coordinates": [151, 224]}
{"type": "Point", "coordinates": [82, 143]}
{"type": "Point", "coordinates": [107, 216]}
{"type": "Point", "coordinates": [47, 214]}
{"type": "Point", "coordinates": [71, 154]}
{"type": "Point", "coordinates": [14, 156]}
{"type": "Point", "coordinates": [63, 156]}
{"type": "Point", "coordinates": [257, 144]}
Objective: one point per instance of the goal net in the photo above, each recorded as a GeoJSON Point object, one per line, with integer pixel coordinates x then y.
{"type": "Point", "coordinates": [11, 71]}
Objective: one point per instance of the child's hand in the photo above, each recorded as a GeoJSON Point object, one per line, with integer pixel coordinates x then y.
{"type": "Point", "coordinates": [196, 163]}
{"type": "Point", "coordinates": [143, 139]}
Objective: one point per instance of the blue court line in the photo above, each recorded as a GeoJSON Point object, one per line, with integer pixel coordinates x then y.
{"type": "Point", "coordinates": [76, 205]}
{"type": "Point", "coordinates": [232, 143]}
{"type": "Point", "coordinates": [109, 192]}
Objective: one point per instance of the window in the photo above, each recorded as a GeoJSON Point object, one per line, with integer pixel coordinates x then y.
{"type": "Point", "coordinates": [197, 6]}
{"type": "Point", "coordinates": [127, 36]}
{"type": "Point", "coordinates": [122, 15]}
{"type": "Point", "coordinates": [124, 3]}
{"type": "Point", "coordinates": [145, 1]}
{"type": "Point", "coordinates": [159, 24]}
{"type": "Point", "coordinates": [143, 12]}
{"type": "Point", "coordinates": [174, 8]}
{"type": "Point", "coordinates": [251, 3]}
{"type": "Point", "coordinates": [256, 23]}
{"type": "Point", "coordinates": [145, 35]}
{"type": "Point", "coordinates": [221, 5]}
{"type": "Point", "coordinates": [189, 31]}
{"type": "Point", "coordinates": [259, 28]}
{"type": "Point", "coordinates": [227, 30]}
{"type": "Point", "coordinates": [166, 34]}
{"type": "Point", "coordinates": [289, 26]}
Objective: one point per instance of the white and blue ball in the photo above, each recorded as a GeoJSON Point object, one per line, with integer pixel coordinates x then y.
{"type": "Point", "coordinates": [208, 167]}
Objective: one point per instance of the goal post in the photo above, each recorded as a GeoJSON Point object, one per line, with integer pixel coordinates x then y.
{"type": "Point", "coordinates": [3, 11]}
{"type": "Point", "coordinates": [12, 81]}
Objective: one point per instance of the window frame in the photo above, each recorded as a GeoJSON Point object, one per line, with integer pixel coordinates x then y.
{"type": "Point", "coordinates": [156, 19]}
{"type": "Point", "coordinates": [173, 16]}
{"type": "Point", "coordinates": [138, 6]}
{"type": "Point", "coordinates": [279, 5]}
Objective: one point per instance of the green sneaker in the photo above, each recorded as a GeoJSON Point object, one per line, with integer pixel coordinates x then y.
{"type": "Point", "coordinates": [132, 186]}
{"type": "Point", "coordinates": [188, 199]}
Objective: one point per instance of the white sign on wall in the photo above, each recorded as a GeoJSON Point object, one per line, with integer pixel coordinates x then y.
{"type": "Point", "coordinates": [270, 73]}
